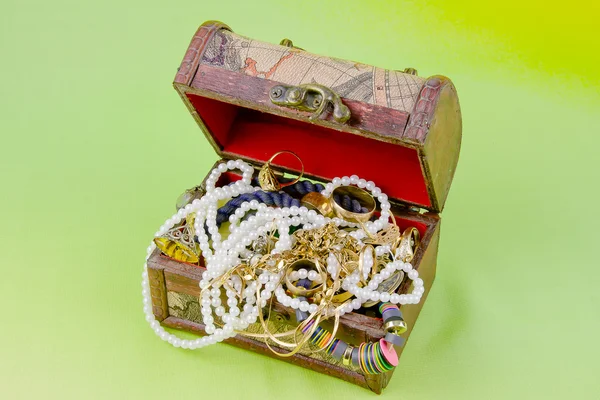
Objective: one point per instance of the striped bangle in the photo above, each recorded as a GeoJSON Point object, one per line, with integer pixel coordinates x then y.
{"type": "Point", "coordinates": [372, 358]}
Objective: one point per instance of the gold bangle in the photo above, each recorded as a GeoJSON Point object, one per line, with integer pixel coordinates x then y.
{"type": "Point", "coordinates": [397, 326]}
{"type": "Point", "coordinates": [347, 357]}
{"type": "Point", "coordinates": [267, 178]}
{"type": "Point", "coordinates": [316, 201]}
{"type": "Point", "coordinates": [363, 197]}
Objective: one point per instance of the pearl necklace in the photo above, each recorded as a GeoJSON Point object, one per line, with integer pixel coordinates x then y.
{"type": "Point", "coordinates": [221, 256]}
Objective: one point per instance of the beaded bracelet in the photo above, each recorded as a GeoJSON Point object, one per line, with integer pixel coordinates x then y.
{"type": "Point", "coordinates": [283, 199]}
{"type": "Point", "coordinates": [278, 199]}
{"type": "Point", "coordinates": [297, 189]}
{"type": "Point", "coordinates": [371, 358]}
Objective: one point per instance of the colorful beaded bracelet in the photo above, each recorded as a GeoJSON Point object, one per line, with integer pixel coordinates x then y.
{"type": "Point", "coordinates": [371, 357]}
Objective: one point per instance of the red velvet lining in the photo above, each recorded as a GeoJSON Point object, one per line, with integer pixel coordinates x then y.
{"type": "Point", "coordinates": [326, 153]}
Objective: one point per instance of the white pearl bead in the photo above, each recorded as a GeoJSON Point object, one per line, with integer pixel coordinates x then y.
{"type": "Point", "coordinates": [295, 303]}
{"type": "Point", "coordinates": [303, 306]}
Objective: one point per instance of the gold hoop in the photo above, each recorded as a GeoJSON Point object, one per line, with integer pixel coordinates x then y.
{"type": "Point", "coordinates": [363, 197]}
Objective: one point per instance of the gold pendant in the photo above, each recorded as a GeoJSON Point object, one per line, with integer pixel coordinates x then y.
{"type": "Point", "coordinates": [179, 244]}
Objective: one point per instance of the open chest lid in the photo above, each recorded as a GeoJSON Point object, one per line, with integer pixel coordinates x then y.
{"type": "Point", "coordinates": [253, 99]}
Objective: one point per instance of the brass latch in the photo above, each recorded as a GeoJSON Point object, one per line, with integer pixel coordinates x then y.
{"type": "Point", "coordinates": [310, 97]}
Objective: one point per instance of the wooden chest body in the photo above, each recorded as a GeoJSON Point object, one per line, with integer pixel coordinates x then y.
{"type": "Point", "coordinates": [175, 292]}
{"type": "Point", "coordinates": [231, 106]}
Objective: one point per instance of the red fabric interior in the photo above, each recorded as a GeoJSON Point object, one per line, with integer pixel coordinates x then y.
{"type": "Point", "coordinates": [326, 153]}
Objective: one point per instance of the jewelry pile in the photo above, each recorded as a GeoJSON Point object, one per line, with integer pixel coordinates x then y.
{"type": "Point", "coordinates": [323, 255]}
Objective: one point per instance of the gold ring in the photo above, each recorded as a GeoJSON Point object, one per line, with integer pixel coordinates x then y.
{"type": "Point", "coordinates": [362, 196]}
{"type": "Point", "coordinates": [316, 201]}
{"type": "Point", "coordinates": [268, 180]}
{"type": "Point", "coordinates": [307, 264]}
{"type": "Point", "coordinates": [397, 326]}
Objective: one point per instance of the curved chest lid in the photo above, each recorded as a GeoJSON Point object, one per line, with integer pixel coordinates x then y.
{"type": "Point", "coordinates": [403, 133]}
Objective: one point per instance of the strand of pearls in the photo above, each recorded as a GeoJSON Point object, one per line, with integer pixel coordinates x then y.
{"type": "Point", "coordinates": [222, 255]}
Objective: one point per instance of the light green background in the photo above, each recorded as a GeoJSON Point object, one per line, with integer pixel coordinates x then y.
{"type": "Point", "coordinates": [96, 146]}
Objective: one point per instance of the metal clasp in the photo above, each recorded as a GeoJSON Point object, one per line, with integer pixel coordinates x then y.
{"type": "Point", "coordinates": [310, 97]}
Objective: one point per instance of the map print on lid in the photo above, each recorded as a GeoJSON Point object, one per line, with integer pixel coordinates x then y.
{"type": "Point", "coordinates": [291, 66]}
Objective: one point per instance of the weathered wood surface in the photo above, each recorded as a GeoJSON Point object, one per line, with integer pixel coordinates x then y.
{"type": "Point", "coordinates": [193, 55]}
{"type": "Point", "coordinates": [261, 348]}
{"type": "Point", "coordinates": [442, 142]}
{"type": "Point", "coordinates": [158, 291]}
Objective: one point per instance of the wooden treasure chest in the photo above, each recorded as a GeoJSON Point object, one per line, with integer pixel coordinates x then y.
{"type": "Point", "coordinates": [340, 118]}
